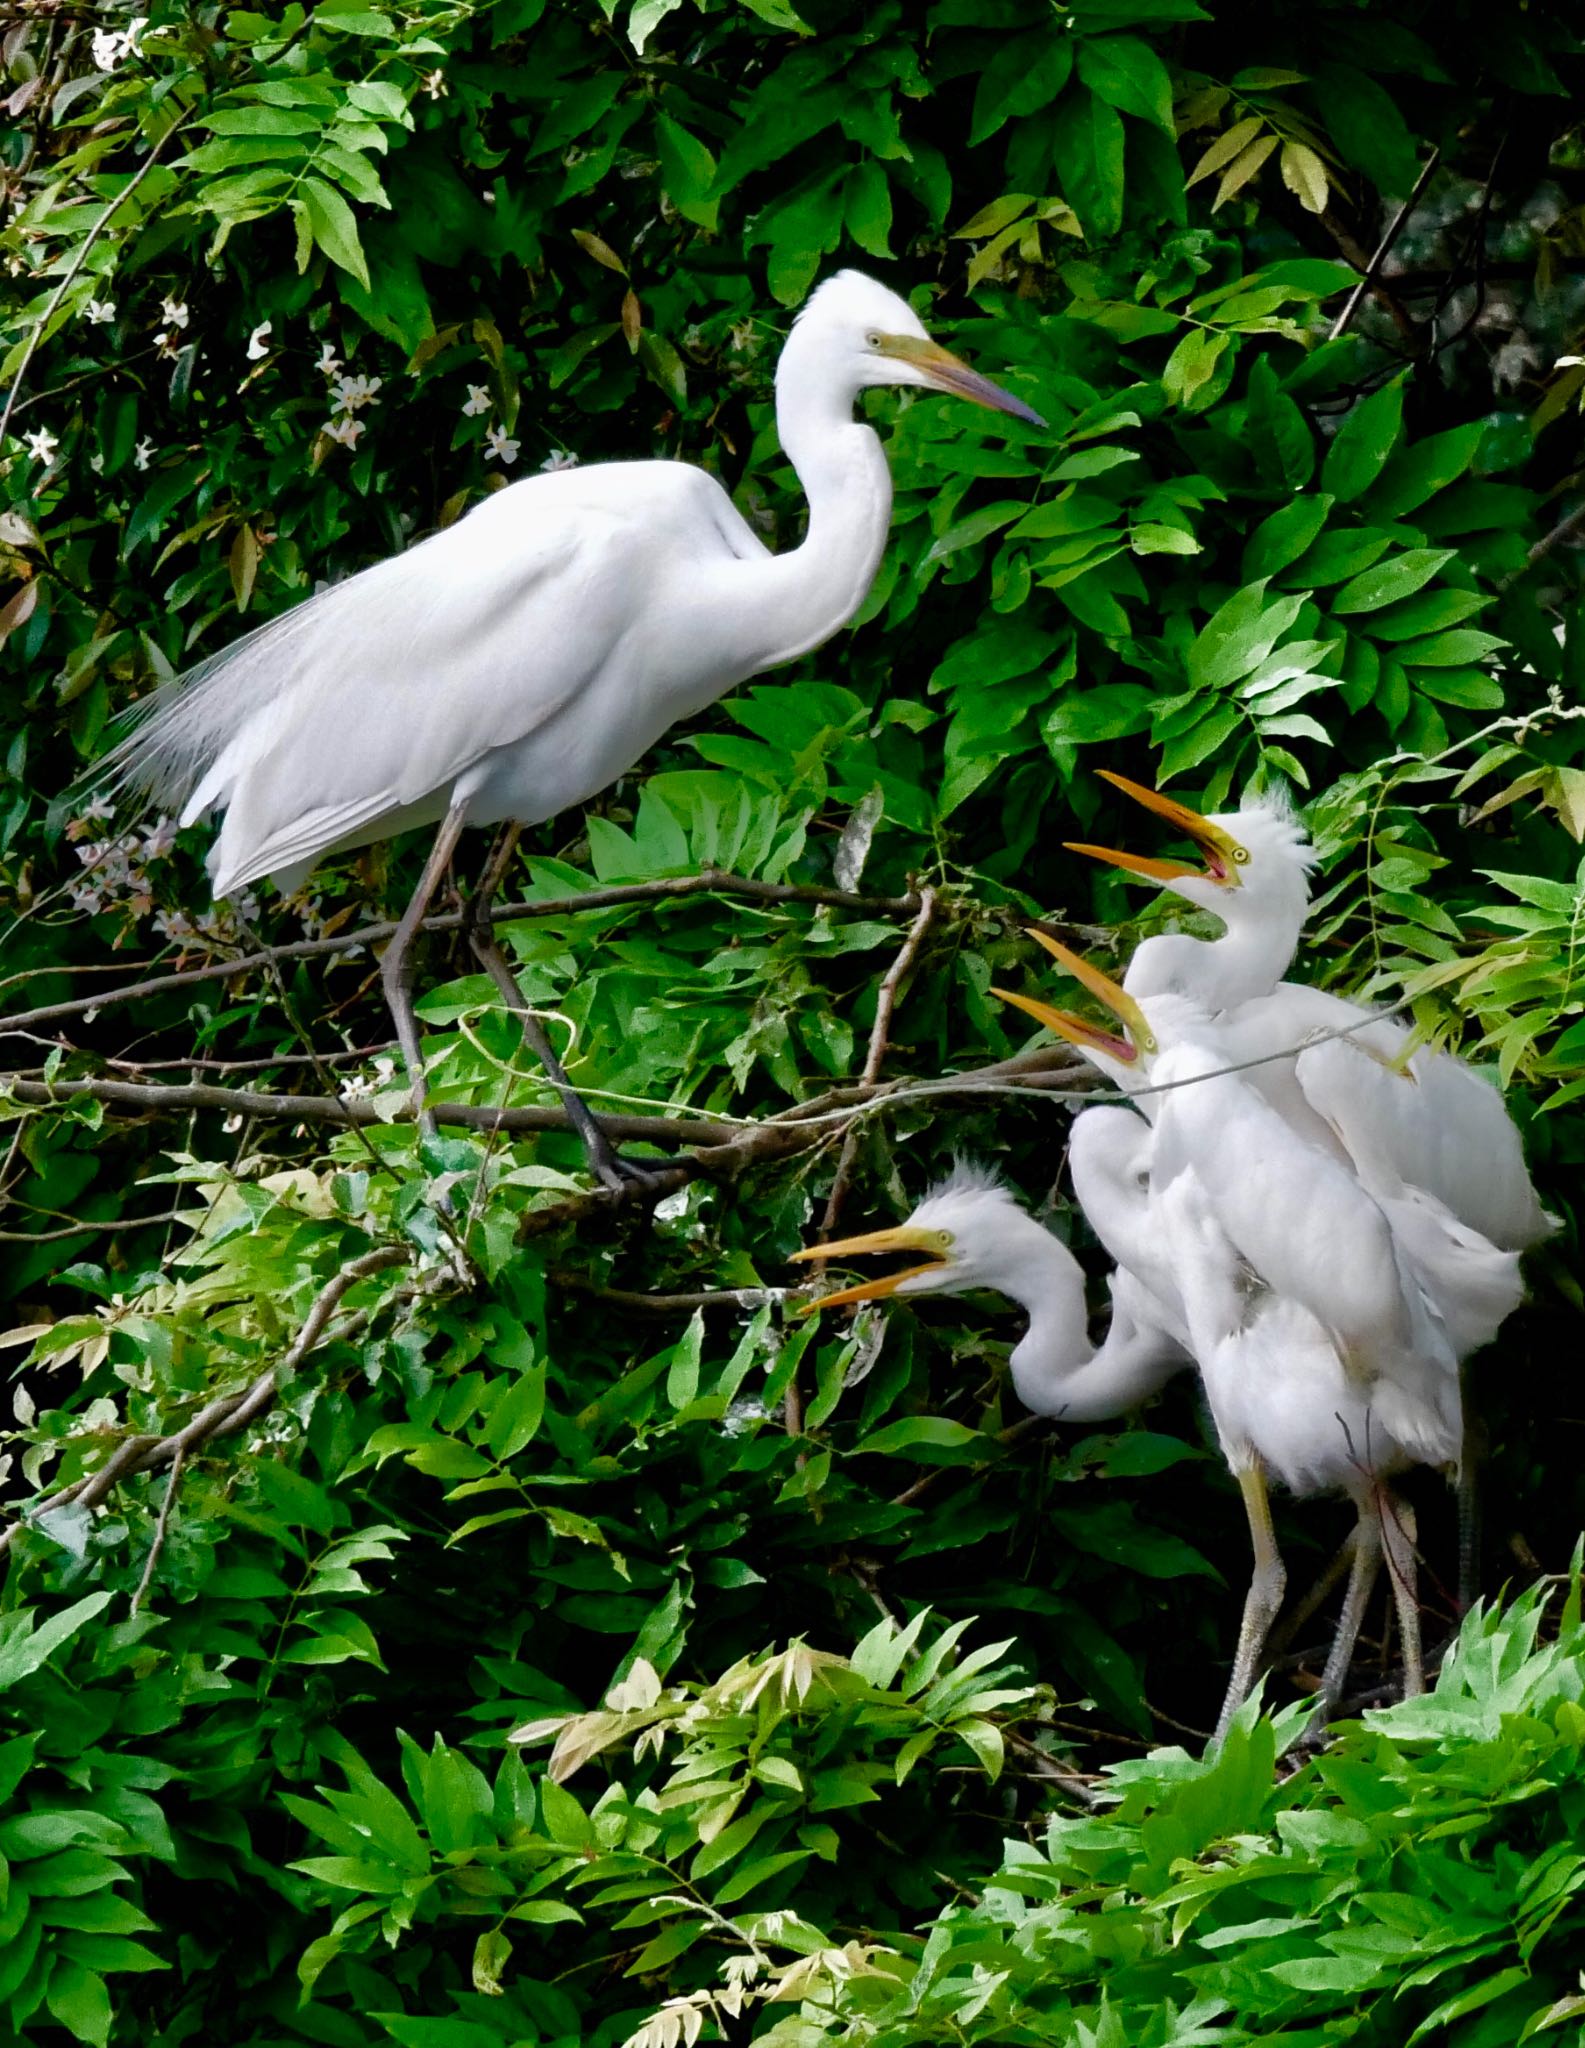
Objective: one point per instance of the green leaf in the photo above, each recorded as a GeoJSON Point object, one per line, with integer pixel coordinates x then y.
{"type": "Point", "coordinates": [333, 227]}
{"type": "Point", "coordinates": [26, 1653]}
{"type": "Point", "coordinates": [1128, 75]}
{"type": "Point", "coordinates": [1087, 143]}
{"type": "Point", "coordinates": [1363, 442]}
{"type": "Point", "coordinates": [932, 1438]}
{"type": "Point", "coordinates": [78, 1999]}
{"type": "Point", "coordinates": [1398, 576]}
{"type": "Point", "coordinates": [1279, 541]}
{"type": "Point", "coordinates": [867, 209]}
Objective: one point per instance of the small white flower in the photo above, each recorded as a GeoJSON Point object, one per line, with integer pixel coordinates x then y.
{"type": "Point", "coordinates": [558, 458]}
{"type": "Point", "coordinates": [434, 83]}
{"type": "Point", "coordinates": [141, 454]}
{"type": "Point", "coordinates": [478, 400]}
{"type": "Point", "coordinates": [165, 342]}
{"type": "Point", "coordinates": [174, 312]}
{"type": "Point", "coordinates": [352, 393]}
{"type": "Point", "coordinates": [1568, 362]}
{"type": "Point", "coordinates": [110, 46]}
{"type": "Point", "coordinates": [159, 839]}
{"type": "Point", "coordinates": [96, 463]}
{"type": "Point", "coordinates": [95, 812]}
{"type": "Point", "coordinates": [175, 924]}
{"type": "Point", "coordinates": [42, 445]}
{"type": "Point", "coordinates": [258, 342]}
{"type": "Point", "coordinates": [99, 312]}
{"type": "Point", "coordinates": [346, 431]}
{"type": "Point", "coordinates": [499, 447]}
{"type": "Point", "coordinates": [329, 361]}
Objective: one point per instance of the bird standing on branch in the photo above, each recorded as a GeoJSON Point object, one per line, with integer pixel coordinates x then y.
{"type": "Point", "coordinates": [520, 661]}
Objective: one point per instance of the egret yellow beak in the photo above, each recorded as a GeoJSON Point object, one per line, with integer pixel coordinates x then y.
{"type": "Point", "coordinates": [944, 371]}
{"type": "Point", "coordinates": [1224, 856]}
{"type": "Point", "coordinates": [906, 1237]}
{"type": "Point", "coordinates": [1136, 1037]}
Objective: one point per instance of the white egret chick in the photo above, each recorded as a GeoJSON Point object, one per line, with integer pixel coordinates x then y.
{"type": "Point", "coordinates": [1255, 878]}
{"type": "Point", "coordinates": [972, 1233]}
{"type": "Point", "coordinates": [1326, 1359]}
{"type": "Point", "coordinates": [512, 665]}
{"type": "Point", "coordinates": [1443, 1129]}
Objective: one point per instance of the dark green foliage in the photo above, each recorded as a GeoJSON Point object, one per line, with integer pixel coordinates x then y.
{"type": "Point", "coordinates": [824, 1620]}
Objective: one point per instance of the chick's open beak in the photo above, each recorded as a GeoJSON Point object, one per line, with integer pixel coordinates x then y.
{"type": "Point", "coordinates": [1136, 1035]}
{"type": "Point", "coordinates": [946, 372]}
{"type": "Point", "coordinates": [905, 1237]}
{"type": "Point", "coordinates": [1224, 857]}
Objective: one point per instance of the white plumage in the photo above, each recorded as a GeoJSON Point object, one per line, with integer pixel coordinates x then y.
{"type": "Point", "coordinates": [518, 662]}
{"type": "Point", "coordinates": [521, 660]}
{"type": "Point", "coordinates": [973, 1233]}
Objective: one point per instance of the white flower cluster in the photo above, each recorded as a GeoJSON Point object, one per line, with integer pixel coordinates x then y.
{"type": "Point", "coordinates": [371, 1081]}
{"type": "Point", "coordinates": [348, 395]}
{"type": "Point", "coordinates": [116, 878]}
{"type": "Point", "coordinates": [112, 46]}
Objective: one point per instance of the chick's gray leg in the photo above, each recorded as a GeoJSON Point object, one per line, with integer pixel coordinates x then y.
{"type": "Point", "coordinates": [614, 1172]}
{"type": "Point", "coordinates": [1398, 1542]}
{"type": "Point", "coordinates": [1367, 1562]}
{"type": "Point", "coordinates": [1267, 1583]}
{"type": "Point", "coordinates": [396, 967]}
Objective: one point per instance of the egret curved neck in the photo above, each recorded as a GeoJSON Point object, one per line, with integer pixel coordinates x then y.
{"type": "Point", "coordinates": [802, 597]}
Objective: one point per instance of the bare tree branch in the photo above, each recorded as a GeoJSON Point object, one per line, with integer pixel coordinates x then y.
{"type": "Point", "coordinates": [671, 1304]}
{"type": "Point", "coordinates": [708, 882]}
{"type": "Point", "coordinates": [874, 1058]}
{"type": "Point", "coordinates": [1367, 281]}
{"type": "Point", "coordinates": [225, 1414]}
{"type": "Point", "coordinates": [160, 1527]}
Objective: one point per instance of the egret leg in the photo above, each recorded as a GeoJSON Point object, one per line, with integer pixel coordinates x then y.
{"type": "Point", "coordinates": [396, 968]}
{"type": "Point", "coordinates": [1334, 1570]}
{"type": "Point", "coordinates": [1266, 1584]}
{"type": "Point", "coordinates": [1398, 1541]}
{"type": "Point", "coordinates": [620, 1175]}
{"type": "Point", "coordinates": [1367, 1562]}
{"type": "Point", "coordinates": [1469, 1513]}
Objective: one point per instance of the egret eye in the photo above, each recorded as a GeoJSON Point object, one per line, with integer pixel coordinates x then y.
{"type": "Point", "coordinates": [944, 1240]}
{"type": "Point", "coordinates": [872, 341]}
{"type": "Point", "coordinates": [1241, 856]}
{"type": "Point", "coordinates": [1146, 1042]}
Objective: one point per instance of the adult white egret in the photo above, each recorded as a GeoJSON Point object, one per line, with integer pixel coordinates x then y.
{"type": "Point", "coordinates": [516, 663]}
{"type": "Point", "coordinates": [972, 1233]}
{"type": "Point", "coordinates": [1443, 1128]}
{"type": "Point", "coordinates": [1312, 1307]}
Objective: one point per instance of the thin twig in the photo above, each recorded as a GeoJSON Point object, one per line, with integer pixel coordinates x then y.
{"type": "Point", "coordinates": [89, 1224]}
{"type": "Point", "coordinates": [874, 1058]}
{"type": "Point", "coordinates": [869, 1078]}
{"type": "Point", "coordinates": [1367, 281]}
{"type": "Point", "coordinates": [710, 881]}
{"type": "Point", "coordinates": [226, 1413]}
{"type": "Point", "coordinates": [160, 1527]}
{"type": "Point", "coordinates": [167, 1097]}
{"type": "Point", "coordinates": [41, 326]}
{"type": "Point", "coordinates": [671, 1304]}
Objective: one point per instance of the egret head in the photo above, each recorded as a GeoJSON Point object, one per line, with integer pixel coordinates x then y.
{"type": "Point", "coordinates": [1125, 1051]}
{"type": "Point", "coordinates": [1260, 852]}
{"type": "Point", "coordinates": [964, 1234]}
{"type": "Point", "coordinates": [870, 335]}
